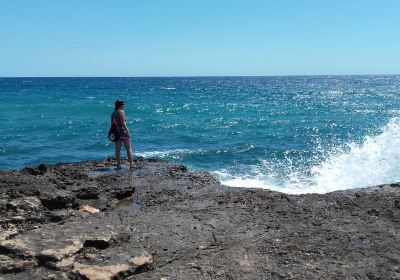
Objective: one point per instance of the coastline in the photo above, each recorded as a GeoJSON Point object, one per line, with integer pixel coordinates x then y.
{"type": "Point", "coordinates": [164, 221]}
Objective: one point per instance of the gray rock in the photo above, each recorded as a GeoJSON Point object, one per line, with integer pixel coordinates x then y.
{"type": "Point", "coordinates": [58, 200]}
{"type": "Point", "coordinates": [163, 221]}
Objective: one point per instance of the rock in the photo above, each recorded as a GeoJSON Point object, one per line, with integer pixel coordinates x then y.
{"type": "Point", "coordinates": [142, 260]}
{"type": "Point", "coordinates": [38, 272]}
{"type": "Point", "coordinates": [7, 234]}
{"type": "Point", "coordinates": [28, 203]}
{"type": "Point", "coordinates": [124, 193]}
{"type": "Point", "coordinates": [188, 226]}
{"type": "Point", "coordinates": [10, 265]}
{"type": "Point", "coordinates": [50, 244]}
{"type": "Point", "coordinates": [32, 171]}
{"type": "Point", "coordinates": [43, 167]}
{"type": "Point", "coordinates": [86, 191]}
{"type": "Point", "coordinates": [244, 262]}
{"type": "Point", "coordinates": [65, 263]}
{"type": "Point", "coordinates": [39, 170]}
{"type": "Point", "coordinates": [89, 209]}
{"type": "Point", "coordinates": [59, 200]}
{"type": "Point", "coordinates": [17, 247]}
{"type": "Point", "coordinates": [56, 276]}
{"type": "Point", "coordinates": [60, 254]}
{"type": "Point", "coordinates": [94, 272]}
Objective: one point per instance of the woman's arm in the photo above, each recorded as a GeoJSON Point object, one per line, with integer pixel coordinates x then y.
{"type": "Point", "coordinates": [123, 122]}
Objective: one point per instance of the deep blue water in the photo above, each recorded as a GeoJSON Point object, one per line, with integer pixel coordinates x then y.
{"type": "Point", "coordinates": [294, 134]}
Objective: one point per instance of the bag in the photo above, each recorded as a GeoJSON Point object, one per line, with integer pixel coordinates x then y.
{"type": "Point", "coordinates": [113, 134]}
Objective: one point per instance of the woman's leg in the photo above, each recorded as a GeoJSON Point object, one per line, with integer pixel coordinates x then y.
{"type": "Point", "coordinates": [118, 153]}
{"type": "Point", "coordinates": [127, 144]}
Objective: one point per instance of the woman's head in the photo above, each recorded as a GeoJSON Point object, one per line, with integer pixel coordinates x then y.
{"type": "Point", "coordinates": [119, 103]}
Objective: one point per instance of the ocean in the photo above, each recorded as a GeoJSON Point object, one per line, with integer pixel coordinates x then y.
{"type": "Point", "coordinates": [295, 134]}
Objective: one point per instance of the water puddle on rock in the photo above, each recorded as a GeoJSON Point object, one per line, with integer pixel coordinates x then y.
{"type": "Point", "coordinates": [112, 170]}
{"type": "Point", "coordinates": [107, 170]}
{"type": "Point", "coordinates": [128, 204]}
{"type": "Point", "coordinates": [103, 170]}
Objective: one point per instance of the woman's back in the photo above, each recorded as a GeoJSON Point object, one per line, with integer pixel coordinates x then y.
{"type": "Point", "coordinates": [116, 119]}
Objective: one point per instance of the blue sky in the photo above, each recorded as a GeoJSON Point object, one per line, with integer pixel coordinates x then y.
{"type": "Point", "coordinates": [198, 38]}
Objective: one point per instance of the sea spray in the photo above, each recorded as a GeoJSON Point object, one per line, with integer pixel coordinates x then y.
{"type": "Point", "coordinates": [374, 161]}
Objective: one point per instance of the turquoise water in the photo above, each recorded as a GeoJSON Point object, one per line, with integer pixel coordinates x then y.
{"type": "Point", "coordinates": [293, 134]}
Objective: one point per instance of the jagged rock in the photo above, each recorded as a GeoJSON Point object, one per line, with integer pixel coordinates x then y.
{"type": "Point", "coordinates": [58, 200]}
{"type": "Point", "coordinates": [8, 234]}
{"type": "Point", "coordinates": [62, 265]}
{"type": "Point", "coordinates": [178, 224]}
{"type": "Point", "coordinates": [39, 273]}
{"type": "Point", "coordinates": [94, 272]}
{"type": "Point", "coordinates": [86, 191]}
{"type": "Point", "coordinates": [10, 265]}
{"type": "Point", "coordinates": [48, 244]}
{"type": "Point", "coordinates": [39, 170]}
{"type": "Point", "coordinates": [17, 247]}
{"type": "Point", "coordinates": [43, 167]}
{"type": "Point", "coordinates": [124, 192]}
{"type": "Point", "coordinates": [26, 203]}
{"type": "Point", "coordinates": [89, 209]}
{"type": "Point", "coordinates": [142, 260]}
{"type": "Point", "coordinates": [60, 254]}
{"type": "Point", "coordinates": [33, 171]}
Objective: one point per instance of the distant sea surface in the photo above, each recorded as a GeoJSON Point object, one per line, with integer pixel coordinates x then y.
{"type": "Point", "coordinates": [292, 134]}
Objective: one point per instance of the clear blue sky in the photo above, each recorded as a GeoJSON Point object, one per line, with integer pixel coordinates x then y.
{"type": "Point", "coordinates": [199, 37]}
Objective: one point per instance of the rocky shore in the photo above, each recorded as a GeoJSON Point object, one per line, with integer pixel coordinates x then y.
{"type": "Point", "coordinates": [163, 221]}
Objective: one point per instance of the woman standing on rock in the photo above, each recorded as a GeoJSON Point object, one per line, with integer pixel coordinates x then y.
{"type": "Point", "coordinates": [118, 118]}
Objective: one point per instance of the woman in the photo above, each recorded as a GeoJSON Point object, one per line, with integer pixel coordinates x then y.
{"type": "Point", "coordinates": [118, 118]}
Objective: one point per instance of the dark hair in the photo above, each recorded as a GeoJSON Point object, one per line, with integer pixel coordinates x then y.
{"type": "Point", "coordinates": [119, 103]}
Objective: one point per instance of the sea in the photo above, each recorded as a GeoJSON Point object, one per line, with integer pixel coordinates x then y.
{"type": "Point", "coordinates": [293, 134]}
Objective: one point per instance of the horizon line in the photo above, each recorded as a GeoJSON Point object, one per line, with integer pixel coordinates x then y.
{"type": "Point", "coordinates": [202, 76]}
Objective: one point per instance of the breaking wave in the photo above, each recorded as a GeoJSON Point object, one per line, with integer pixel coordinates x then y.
{"type": "Point", "coordinates": [374, 161]}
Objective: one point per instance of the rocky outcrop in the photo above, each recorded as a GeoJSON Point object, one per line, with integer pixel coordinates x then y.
{"type": "Point", "coordinates": [162, 221]}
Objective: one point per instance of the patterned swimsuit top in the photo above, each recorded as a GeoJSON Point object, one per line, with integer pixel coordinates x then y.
{"type": "Point", "coordinates": [116, 119]}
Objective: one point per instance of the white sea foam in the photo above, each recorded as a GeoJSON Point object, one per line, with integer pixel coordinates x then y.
{"type": "Point", "coordinates": [375, 161]}
{"type": "Point", "coordinates": [176, 154]}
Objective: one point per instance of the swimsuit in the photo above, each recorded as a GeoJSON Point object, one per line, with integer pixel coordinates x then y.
{"type": "Point", "coordinates": [116, 119]}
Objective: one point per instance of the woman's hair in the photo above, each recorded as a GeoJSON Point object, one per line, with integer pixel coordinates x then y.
{"type": "Point", "coordinates": [119, 103]}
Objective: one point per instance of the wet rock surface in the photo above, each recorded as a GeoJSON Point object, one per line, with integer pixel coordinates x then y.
{"type": "Point", "coordinates": [162, 221]}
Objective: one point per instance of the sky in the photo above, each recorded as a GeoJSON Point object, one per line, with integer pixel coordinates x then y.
{"type": "Point", "coordinates": [136, 38]}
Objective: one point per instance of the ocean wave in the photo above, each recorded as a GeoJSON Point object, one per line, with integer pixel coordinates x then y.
{"type": "Point", "coordinates": [374, 161]}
